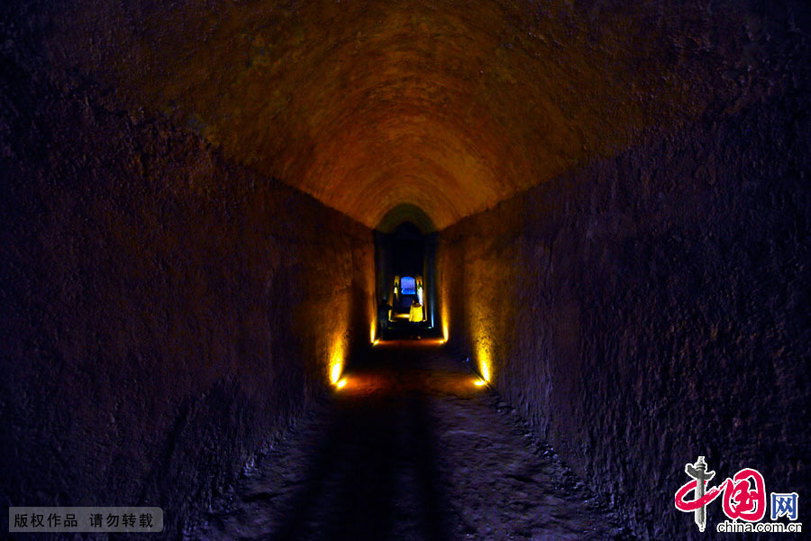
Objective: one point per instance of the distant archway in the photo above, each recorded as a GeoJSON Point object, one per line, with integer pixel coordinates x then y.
{"type": "Point", "coordinates": [406, 213]}
{"type": "Point", "coordinates": [405, 268]}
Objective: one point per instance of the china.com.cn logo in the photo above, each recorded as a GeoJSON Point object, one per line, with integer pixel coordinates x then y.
{"type": "Point", "coordinates": [744, 498]}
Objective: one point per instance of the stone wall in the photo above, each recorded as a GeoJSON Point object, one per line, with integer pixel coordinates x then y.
{"type": "Point", "coordinates": [165, 312]}
{"type": "Point", "coordinates": [653, 307]}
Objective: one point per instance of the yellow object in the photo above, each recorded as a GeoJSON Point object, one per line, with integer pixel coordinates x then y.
{"type": "Point", "coordinates": [415, 315]}
{"type": "Point", "coordinates": [485, 371]}
{"type": "Point", "coordinates": [335, 372]}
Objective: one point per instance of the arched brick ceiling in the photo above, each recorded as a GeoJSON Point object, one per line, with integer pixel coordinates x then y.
{"type": "Point", "coordinates": [446, 106]}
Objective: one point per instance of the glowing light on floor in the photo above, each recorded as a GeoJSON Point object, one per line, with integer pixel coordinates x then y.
{"type": "Point", "coordinates": [479, 382]}
{"type": "Point", "coordinates": [341, 383]}
{"type": "Point", "coordinates": [335, 372]}
{"type": "Point", "coordinates": [485, 371]}
{"type": "Point", "coordinates": [335, 365]}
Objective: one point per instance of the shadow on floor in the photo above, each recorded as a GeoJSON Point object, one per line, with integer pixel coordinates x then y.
{"type": "Point", "coordinates": [372, 475]}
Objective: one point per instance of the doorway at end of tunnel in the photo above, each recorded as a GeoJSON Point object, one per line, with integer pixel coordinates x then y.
{"type": "Point", "coordinates": [405, 271]}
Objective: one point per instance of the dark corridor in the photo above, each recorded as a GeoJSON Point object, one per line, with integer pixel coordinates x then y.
{"type": "Point", "coordinates": [588, 221]}
{"type": "Point", "coordinates": [405, 271]}
{"type": "Point", "coordinates": [410, 448]}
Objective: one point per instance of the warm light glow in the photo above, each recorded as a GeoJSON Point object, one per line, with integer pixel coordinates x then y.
{"type": "Point", "coordinates": [485, 371]}
{"type": "Point", "coordinates": [372, 337]}
{"type": "Point", "coordinates": [341, 383]}
{"type": "Point", "coordinates": [484, 356]}
{"type": "Point", "coordinates": [335, 371]}
{"type": "Point", "coordinates": [445, 318]}
{"type": "Point", "coordinates": [479, 382]}
{"type": "Point", "coordinates": [376, 342]}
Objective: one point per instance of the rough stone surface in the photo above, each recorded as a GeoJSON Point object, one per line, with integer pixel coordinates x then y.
{"type": "Point", "coordinates": [409, 449]}
{"type": "Point", "coordinates": [450, 106]}
{"type": "Point", "coordinates": [164, 312]}
{"type": "Point", "coordinates": [654, 307]}
{"type": "Point", "coordinates": [165, 308]}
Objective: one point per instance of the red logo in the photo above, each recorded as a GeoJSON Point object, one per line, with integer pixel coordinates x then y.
{"type": "Point", "coordinates": [744, 494]}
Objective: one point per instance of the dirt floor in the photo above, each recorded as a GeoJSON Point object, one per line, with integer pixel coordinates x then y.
{"type": "Point", "coordinates": [409, 448]}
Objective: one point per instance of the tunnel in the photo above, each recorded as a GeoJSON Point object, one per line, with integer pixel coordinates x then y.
{"type": "Point", "coordinates": [405, 275]}
{"type": "Point", "coordinates": [406, 269]}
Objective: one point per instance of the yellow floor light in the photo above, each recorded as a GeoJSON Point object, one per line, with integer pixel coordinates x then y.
{"type": "Point", "coordinates": [335, 372]}
{"type": "Point", "coordinates": [485, 371]}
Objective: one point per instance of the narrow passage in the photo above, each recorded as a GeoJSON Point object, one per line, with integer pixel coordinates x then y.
{"type": "Point", "coordinates": [409, 448]}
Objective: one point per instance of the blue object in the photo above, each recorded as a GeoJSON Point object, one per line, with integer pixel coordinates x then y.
{"type": "Point", "coordinates": [408, 286]}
